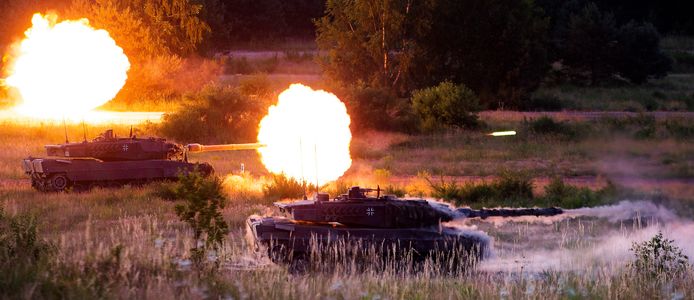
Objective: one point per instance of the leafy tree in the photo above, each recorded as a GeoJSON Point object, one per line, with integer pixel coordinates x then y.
{"type": "Point", "coordinates": [445, 105]}
{"type": "Point", "coordinates": [590, 47]}
{"type": "Point", "coordinates": [495, 47]}
{"type": "Point", "coordinates": [640, 54]}
{"type": "Point", "coordinates": [373, 42]}
{"type": "Point", "coordinates": [147, 28]}
{"type": "Point", "coordinates": [203, 199]}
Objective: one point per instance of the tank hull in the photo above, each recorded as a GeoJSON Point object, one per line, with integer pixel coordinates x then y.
{"type": "Point", "coordinates": [285, 240]}
{"type": "Point", "coordinates": [54, 175]}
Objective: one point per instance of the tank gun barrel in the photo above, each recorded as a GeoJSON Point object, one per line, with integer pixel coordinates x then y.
{"type": "Point", "coordinates": [197, 148]}
{"type": "Point", "coordinates": [509, 212]}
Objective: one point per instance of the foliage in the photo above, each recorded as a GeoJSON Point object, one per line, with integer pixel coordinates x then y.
{"type": "Point", "coordinates": [203, 199]}
{"type": "Point", "coordinates": [458, 48]}
{"type": "Point", "coordinates": [372, 43]}
{"type": "Point", "coordinates": [558, 193]}
{"type": "Point", "coordinates": [658, 259]}
{"type": "Point", "coordinates": [147, 28]}
{"type": "Point", "coordinates": [23, 253]}
{"type": "Point", "coordinates": [377, 108]}
{"type": "Point", "coordinates": [446, 105]}
{"type": "Point", "coordinates": [591, 45]}
{"type": "Point", "coordinates": [516, 189]}
{"type": "Point", "coordinates": [512, 188]}
{"type": "Point", "coordinates": [640, 56]}
{"type": "Point", "coordinates": [405, 45]}
{"type": "Point", "coordinates": [547, 126]}
{"type": "Point", "coordinates": [219, 114]}
{"type": "Point", "coordinates": [284, 187]}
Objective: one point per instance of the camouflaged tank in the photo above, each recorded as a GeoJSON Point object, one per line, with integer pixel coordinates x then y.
{"type": "Point", "coordinates": [385, 224]}
{"type": "Point", "coordinates": [110, 161]}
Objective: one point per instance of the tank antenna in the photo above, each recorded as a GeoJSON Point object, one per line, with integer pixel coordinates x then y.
{"type": "Point", "coordinates": [65, 127]}
{"type": "Point", "coordinates": [131, 131]}
{"type": "Point", "coordinates": [84, 129]}
{"type": "Point", "coordinates": [301, 160]}
{"type": "Point", "coordinates": [315, 162]}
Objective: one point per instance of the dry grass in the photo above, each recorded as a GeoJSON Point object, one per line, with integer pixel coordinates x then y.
{"type": "Point", "coordinates": [567, 259]}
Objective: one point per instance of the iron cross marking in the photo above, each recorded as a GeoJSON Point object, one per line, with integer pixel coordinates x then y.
{"type": "Point", "coordinates": [370, 211]}
{"type": "Point", "coordinates": [125, 148]}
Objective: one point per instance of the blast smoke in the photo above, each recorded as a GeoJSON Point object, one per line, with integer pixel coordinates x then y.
{"type": "Point", "coordinates": [583, 239]}
{"type": "Point", "coordinates": [578, 240]}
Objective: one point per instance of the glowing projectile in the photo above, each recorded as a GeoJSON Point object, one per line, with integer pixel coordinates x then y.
{"type": "Point", "coordinates": [502, 133]}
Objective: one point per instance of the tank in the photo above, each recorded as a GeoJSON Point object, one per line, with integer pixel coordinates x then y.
{"type": "Point", "coordinates": [110, 161]}
{"type": "Point", "coordinates": [390, 225]}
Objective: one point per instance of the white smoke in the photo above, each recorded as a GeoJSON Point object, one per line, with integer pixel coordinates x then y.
{"type": "Point", "coordinates": [585, 239]}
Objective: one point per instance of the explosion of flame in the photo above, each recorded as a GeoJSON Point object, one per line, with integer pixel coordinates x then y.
{"type": "Point", "coordinates": [307, 136]}
{"type": "Point", "coordinates": [65, 69]}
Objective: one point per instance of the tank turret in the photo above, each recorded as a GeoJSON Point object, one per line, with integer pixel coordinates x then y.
{"type": "Point", "coordinates": [108, 147]}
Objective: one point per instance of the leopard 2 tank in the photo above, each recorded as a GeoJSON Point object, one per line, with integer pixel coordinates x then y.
{"type": "Point", "coordinates": [391, 226]}
{"type": "Point", "coordinates": [110, 161]}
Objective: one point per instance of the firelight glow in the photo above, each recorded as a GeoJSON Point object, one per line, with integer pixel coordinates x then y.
{"type": "Point", "coordinates": [65, 69]}
{"type": "Point", "coordinates": [307, 136]}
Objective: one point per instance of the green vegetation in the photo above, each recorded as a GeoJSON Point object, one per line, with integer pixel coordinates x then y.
{"type": "Point", "coordinates": [203, 199]}
{"type": "Point", "coordinates": [219, 114]}
{"type": "Point", "coordinates": [283, 187]}
{"type": "Point", "coordinates": [446, 105]}
{"type": "Point", "coordinates": [659, 260]}
{"type": "Point", "coordinates": [514, 189]}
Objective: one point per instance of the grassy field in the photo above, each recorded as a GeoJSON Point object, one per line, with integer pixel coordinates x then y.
{"type": "Point", "coordinates": [128, 243]}
{"type": "Point", "coordinates": [634, 171]}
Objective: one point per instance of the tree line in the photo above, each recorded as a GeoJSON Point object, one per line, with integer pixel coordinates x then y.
{"type": "Point", "coordinates": [392, 57]}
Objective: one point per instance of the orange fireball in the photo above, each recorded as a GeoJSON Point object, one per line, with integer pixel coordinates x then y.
{"type": "Point", "coordinates": [65, 69]}
{"type": "Point", "coordinates": [307, 136]}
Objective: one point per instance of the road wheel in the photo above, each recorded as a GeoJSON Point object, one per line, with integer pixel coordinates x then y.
{"type": "Point", "coordinates": [59, 182]}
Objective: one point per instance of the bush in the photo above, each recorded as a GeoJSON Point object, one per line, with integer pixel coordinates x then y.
{"type": "Point", "coordinates": [658, 259]}
{"type": "Point", "coordinates": [512, 188]}
{"type": "Point", "coordinates": [284, 187]}
{"type": "Point", "coordinates": [217, 114]}
{"type": "Point", "coordinates": [203, 199]}
{"type": "Point", "coordinates": [640, 55]}
{"type": "Point", "coordinates": [547, 126]}
{"type": "Point", "coordinates": [375, 108]}
{"type": "Point", "coordinates": [559, 194]}
{"type": "Point", "coordinates": [446, 105]}
{"type": "Point", "coordinates": [25, 258]}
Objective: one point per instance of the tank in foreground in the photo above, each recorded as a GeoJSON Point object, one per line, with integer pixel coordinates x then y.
{"type": "Point", "coordinates": [381, 225]}
{"type": "Point", "coordinates": [110, 161]}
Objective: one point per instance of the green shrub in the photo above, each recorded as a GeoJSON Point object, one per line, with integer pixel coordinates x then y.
{"type": "Point", "coordinates": [284, 187]}
{"type": "Point", "coordinates": [512, 188]}
{"type": "Point", "coordinates": [545, 125]}
{"type": "Point", "coordinates": [217, 114]}
{"type": "Point", "coordinates": [203, 199]}
{"type": "Point", "coordinates": [25, 258]}
{"type": "Point", "coordinates": [394, 190]}
{"type": "Point", "coordinates": [375, 108]}
{"type": "Point", "coordinates": [446, 105]}
{"type": "Point", "coordinates": [658, 259]}
{"type": "Point", "coordinates": [560, 194]}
